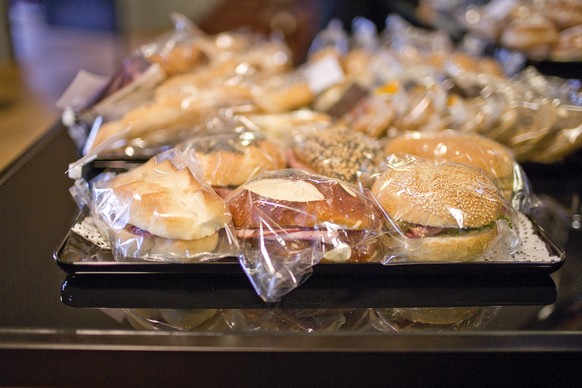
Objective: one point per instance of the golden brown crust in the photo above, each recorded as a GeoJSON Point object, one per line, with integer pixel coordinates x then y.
{"type": "Point", "coordinates": [495, 159]}
{"type": "Point", "coordinates": [339, 205]}
{"type": "Point", "coordinates": [533, 34]}
{"type": "Point", "coordinates": [441, 194]}
{"type": "Point", "coordinates": [564, 13]}
{"type": "Point", "coordinates": [286, 98]}
{"type": "Point", "coordinates": [569, 46]}
{"type": "Point", "coordinates": [235, 163]}
{"type": "Point", "coordinates": [181, 59]}
{"type": "Point", "coordinates": [168, 202]}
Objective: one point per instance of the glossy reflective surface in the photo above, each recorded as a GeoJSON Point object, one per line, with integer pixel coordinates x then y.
{"type": "Point", "coordinates": [337, 314]}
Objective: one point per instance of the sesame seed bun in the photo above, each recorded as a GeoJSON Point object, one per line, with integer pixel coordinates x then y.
{"type": "Point", "coordinates": [444, 196]}
{"type": "Point", "coordinates": [424, 193]}
{"type": "Point", "coordinates": [493, 158]}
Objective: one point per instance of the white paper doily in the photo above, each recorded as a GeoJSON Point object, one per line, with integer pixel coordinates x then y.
{"type": "Point", "coordinates": [88, 230]}
{"type": "Point", "coordinates": [532, 250]}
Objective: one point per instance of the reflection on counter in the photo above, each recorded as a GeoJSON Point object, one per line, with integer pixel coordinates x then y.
{"type": "Point", "coordinates": [389, 320]}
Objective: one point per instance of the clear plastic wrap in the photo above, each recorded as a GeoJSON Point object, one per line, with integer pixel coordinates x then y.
{"type": "Point", "coordinates": [281, 127]}
{"type": "Point", "coordinates": [231, 158]}
{"type": "Point", "coordinates": [305, 320]}
{"type": "Point", "coordinates": [332, 38]}
{"type": "Point", "coordinates": [287, 221]}
{"type": "Point", "coordinates": [433, 319]}
{"type": "Point", "coordinates": [282, 93]}
{"type": "Point", "coordinates": [162, 211]}
{"type": "Point", "coordinates": [442, 211]}
{"type": "Point", "coordinates": [542, 30]}
{"type": "Point", "coordinates": [197, 76]}
{"type": "Point", "coordinates": [493, 158]}
{"type": "Point", "coordinates": [338, 152]}
{"type": "Point", "coordinates": [295, 320]}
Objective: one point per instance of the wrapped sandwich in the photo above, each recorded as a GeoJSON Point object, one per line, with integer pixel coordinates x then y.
{"type": "Point", "coordinates": [445, 211]}
{"type": "Point", "coordinates": [289, 220]}
{"type": "Point", "coordinates": [162, 211]}
{"type": "Point", "coordinates": [230, 159]}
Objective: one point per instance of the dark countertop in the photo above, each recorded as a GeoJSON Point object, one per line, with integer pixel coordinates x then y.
{"type": "Point", "coordinates": [536, 324]}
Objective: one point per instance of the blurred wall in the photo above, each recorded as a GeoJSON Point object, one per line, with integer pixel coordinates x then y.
{"type": "Point", "coordinates": [5, 39]}
{"type": "Point", "coordinates": [135, 16]}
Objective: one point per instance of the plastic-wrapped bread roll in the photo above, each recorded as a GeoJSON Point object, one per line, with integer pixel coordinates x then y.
{"type": "Point", "coordinates": [229, 160]}
{"type": "Point", "coordinates": [569, 45]}
{"type": "Point", "coordinates": [564, 13]}
{"type": "Point", "coordinates": [533, 35]}
{"type": "Point", "coordinates": [337, 152]}
{"type": "Point", "coordinates": [493, 158]}
{"type": "Point", "coordinates": [160, 211]}
{"type": "Point", "coordinates": [445, 211]}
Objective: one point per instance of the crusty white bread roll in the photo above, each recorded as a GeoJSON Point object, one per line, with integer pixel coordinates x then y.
{"type": "Point", "coordinates": [161, 209]}
{"type": "Point", "coordinates": [493, 158]}
{"type": "Point", "coordinates": [447, 211]}
{"type": "Point", "coordinates": [169, 202]}
{"type": "Point", "coordinates": [135, 243]}
{"type": "Point", "coordinates": [294, 204]}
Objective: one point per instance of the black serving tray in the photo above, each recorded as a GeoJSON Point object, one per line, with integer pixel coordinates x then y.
{"type": "Point", "coordinates": [319, 291]}
{"type": "Point", "coordinates": [76, 255]}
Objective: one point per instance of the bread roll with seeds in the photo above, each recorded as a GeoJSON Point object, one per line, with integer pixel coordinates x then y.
{"type": "Point", "coordinates": [493, 158]}
{"type": "Point", "coordinates": [445, 211]}
{"type": "Point", "coordinates": [337, 152]}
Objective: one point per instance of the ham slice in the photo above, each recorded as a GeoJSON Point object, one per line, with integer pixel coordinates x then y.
{"type": "Point", "coordinates": [419, 231]}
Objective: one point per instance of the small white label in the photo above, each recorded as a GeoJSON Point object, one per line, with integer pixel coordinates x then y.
{"type": "Point", "coordinates": [81, 93]}
{"type": "Point", "coordinates": [323, 74]}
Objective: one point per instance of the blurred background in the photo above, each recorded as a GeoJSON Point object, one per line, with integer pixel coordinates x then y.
{"type": "Point", "coordinates": [43, 44]}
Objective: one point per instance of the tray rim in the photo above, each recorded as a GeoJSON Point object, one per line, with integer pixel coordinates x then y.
{"type": "Point", "coordinates": [232, 266]}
